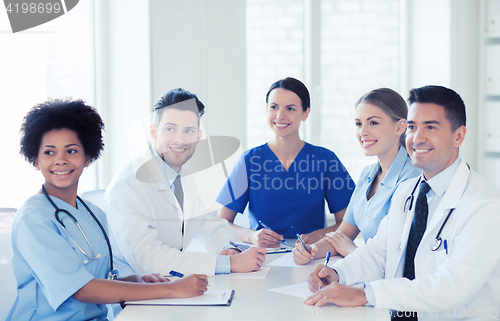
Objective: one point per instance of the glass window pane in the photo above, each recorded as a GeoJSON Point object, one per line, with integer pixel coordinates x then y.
{"type": "Point", "coordinates": [54, 60]}
{"type": "Point", "coordinates": [359, 52]}
{"type": "Point", "coordinates": [275, 50]}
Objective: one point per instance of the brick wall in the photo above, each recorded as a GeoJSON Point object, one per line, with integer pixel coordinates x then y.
{"type": "Point", "coordinates": [275, 48]}
{"type": "Point", "coordinates": [359, 52]}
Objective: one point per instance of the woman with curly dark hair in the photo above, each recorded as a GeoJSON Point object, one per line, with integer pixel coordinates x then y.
{"type": "Point", "coordinates": [62, 257]}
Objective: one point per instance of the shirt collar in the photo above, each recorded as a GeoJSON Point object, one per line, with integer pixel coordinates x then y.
{"type": "Point", "coordinates": [373, 173]}
{"type": "Point", "coordinates": [441, 181]}
{"type": "Point", "coordinates": [391, 178]}
{"type": "Point", "coordinates": [169, 173]}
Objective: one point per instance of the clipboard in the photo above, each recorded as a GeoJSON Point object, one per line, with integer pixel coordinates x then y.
{"type": "Point", "coordinates": [209, 298]}
{"type": "Point", "coordinates": [275, 250]}
{"type": "Point", "coordinates": [270, 250]}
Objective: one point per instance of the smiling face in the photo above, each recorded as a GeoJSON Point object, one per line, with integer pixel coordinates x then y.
{"type": "Point", "coordinates": [377, 133]}
{"type": "Point", "coordinates": [430, 142]}
{"type": "Point", "coordinates": [175, 137]}
{"type": "Point", "coordinates": [61, 159]}
{"type": "Point", "coordinates": [284, 112]}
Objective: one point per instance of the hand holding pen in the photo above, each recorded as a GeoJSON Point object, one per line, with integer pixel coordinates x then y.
{"type": "Point", "coordinates": [250, 258]}
{"type": "Point", "coordinates": [191, 285]}
{"type": "Point", "coordinates": [322, 275]}
{"type": "Point", "coordinates": [303, 243]}
{"type": "Point", "coordinates": [266, 237]}
{"type": "Point", "coordinates": [328, 254]}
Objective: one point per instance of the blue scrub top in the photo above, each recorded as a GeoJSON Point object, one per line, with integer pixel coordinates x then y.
{"type": "Point", "coordinates": [281, 198]}
{"type": "Point", "coordinates": [367, 214]}
{"type": "Point", "coordinates": [47, 264]}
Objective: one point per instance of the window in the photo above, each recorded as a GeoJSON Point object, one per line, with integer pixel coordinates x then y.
{"type": "Point", "coordinates": [54, 60]}
{"type": "Point", "coordinates": [359, 52]}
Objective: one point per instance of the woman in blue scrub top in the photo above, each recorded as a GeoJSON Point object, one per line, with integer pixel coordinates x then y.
{"type": "Point", "coordinates": [380, 120]}
{"type": "Point", "coordinates": [61, 271]}
{"type": "Point", "coordinates": [285, 182]}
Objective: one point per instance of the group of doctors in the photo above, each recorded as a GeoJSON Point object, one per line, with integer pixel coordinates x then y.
{"type": "Point", "coordinates": [423, 253]}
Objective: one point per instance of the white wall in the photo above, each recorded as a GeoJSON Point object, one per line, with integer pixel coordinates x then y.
{"type": "Point", "coordinates": [442, 49]}
{"type": "Point", "coordinates": [146, 48]}
{"type": "Point", "coordinates": [123, 76]}
{"type": "Point", "coordinates": [200, 45]}
{"type": "Point", "coordinates": [465, 71]}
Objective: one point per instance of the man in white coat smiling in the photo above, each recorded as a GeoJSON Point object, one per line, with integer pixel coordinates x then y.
{"type": "Point", "coordinates": [154, 209]}
{"type": "Point", "coordinates": [437, 251]}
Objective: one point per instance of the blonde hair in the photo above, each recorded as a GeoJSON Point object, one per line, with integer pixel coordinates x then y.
{"type": "Point", "coordinates": [391, 103]}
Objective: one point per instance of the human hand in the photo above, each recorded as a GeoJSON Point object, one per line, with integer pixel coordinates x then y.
{"type": "Point", "coordinates": [266, 238]}
{"type": "Point", "coordinates": [301, 256]}
{"type": "Point", "coordinates": [249, 260]}
{"type": "Point", "coordinates": [321, 276]}
{"type": "Point", "coordinates": [338, 294]}
{"type": "Point", "coordinates": [229, 252]}
{"type": "Point", "coordinates": [341, 242]}
{"type": "Point", "coordinates": [189, 286]}
{"type": "Point", "coordinates": [310, 238]}
{"type": "Point", "coordinates": [150, 278]}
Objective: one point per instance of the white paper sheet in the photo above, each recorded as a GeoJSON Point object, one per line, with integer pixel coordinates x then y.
{"type": "Point", "coordinates": [300, 290]}
{"type": "Point", "coordinates": [261, 274]}
{"type": "Point", "coordinates": [211, 297]}
{"type": "Point", "coordinates": [287, 260]}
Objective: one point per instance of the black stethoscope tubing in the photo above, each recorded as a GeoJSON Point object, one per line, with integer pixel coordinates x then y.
{"type": "Point", "coordinates": [56, 214]}
{"type": "Point", "coordinates": [438, 241]}
{"type": "Point", "coordinates": [408, 207]}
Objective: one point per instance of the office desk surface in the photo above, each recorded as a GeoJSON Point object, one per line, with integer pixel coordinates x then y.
{"type": "Point", "coordinates": [253, 301]}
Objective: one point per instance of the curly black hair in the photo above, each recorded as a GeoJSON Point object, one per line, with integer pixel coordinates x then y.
{"type": "Point", "coordinates": [56, 114]}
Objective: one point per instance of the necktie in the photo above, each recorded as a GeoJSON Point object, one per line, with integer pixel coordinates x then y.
{"type": "Point", "coordinates": [178, 192]}
{"type": "Point", "coordinates": [417, 230]}
{"type": "Point", "coordinates": [418, 227]}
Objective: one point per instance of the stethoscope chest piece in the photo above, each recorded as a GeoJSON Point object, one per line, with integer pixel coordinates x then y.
{"type": "Point", "coordinates": [436, 244]}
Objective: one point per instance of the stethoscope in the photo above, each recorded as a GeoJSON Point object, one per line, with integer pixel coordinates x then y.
{"type": "Point", "coordinates": [408, 206]}
{"type": "Point", "coordinates": [111, 273]}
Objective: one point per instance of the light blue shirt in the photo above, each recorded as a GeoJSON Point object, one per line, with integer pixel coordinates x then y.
{"type": "Point", "coordinates": [48, 265]}
{"type": "Point", "coordinates": [365, 213]}
{"type": "Point", "coordinates": [223, 263]}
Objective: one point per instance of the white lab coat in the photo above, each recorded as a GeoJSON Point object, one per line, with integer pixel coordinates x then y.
{"type": "Point", "coordinates": [146, 221]}
{"type": "Point", "coordinates": [465, 279]}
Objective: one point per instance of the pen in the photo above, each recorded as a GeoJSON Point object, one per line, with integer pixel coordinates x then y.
{"type": "Point", "coordinates": [175, 273]}
{"type": "Point", "coordinates": [270, 229]}
{"type": "Point", "coordinates": [446, 246]}
{"type": "Point", "coordinates": [237, 246]}
{"type": "Point", "coordinates": [264, 225]}
{"type": "Point", "coordinates": [178, 274]}
{"type": "Point", "coordinates": [300, 239]}
{"type": "Point", "coordinates": [328, 254]}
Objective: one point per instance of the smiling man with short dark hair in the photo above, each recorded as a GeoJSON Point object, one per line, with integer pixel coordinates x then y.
{"type": "Point", "coordinates": [435, 254]}
{"type": "Point", "coordinates": [154, 208]}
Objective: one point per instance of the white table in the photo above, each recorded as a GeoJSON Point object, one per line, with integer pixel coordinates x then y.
{"type": "Point", "coordinates": [253, 301]}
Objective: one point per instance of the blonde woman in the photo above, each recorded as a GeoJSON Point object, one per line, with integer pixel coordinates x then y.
{"type": "Point", "coordinates": [380, 121]}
